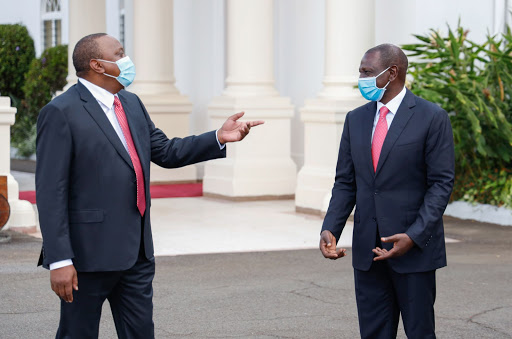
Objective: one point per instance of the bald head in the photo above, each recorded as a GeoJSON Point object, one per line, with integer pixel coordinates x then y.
{"type": "Point", "coordinates": [390, 55]}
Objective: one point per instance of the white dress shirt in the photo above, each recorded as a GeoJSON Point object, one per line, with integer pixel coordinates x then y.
{"type": "Point", "coordinates": [392, 105]}
{"type": "Point", "coordinates": [106, 101]}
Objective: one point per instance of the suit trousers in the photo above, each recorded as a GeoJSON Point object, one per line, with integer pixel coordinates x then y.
{"type": "Point", "coordinates": [130, 294]}
{"type": "Point", "coordinates": [383, 294]}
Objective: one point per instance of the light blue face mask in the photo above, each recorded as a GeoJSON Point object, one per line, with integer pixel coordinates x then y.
{"type": "Point", "coordinates": [126, 68]}
{"type": "Point", "coordinates": [368, 87]}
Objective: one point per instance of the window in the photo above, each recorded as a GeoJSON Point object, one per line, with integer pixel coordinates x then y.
{"type": "Point", "coordinates": [52, 6]}
{"type": "Point", "coordinates": [121, 22]}
{"type": "Point", "coordinates": [51, 18]}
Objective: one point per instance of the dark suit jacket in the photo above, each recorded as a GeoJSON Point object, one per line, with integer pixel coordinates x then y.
{"type": "Point", "coordinates": [409, 191]}
{"type": "Point", "coordinates": [86, 184]}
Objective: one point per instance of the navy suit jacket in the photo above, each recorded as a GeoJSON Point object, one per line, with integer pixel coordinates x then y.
{"type": "Point", "coordinates": [86, 184]}
{"type": "Point", "coordinates": [409, 191]}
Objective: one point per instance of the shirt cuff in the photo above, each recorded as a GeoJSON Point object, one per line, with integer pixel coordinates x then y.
{"type": "Point", "coordinates": [218, 142]}
{"type": "Point", "coordinates": [60, 264]}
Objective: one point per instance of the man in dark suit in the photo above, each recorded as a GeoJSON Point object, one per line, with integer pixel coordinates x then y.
{"type": "Point", "coordinates": [94, 147]}
{"type": "Point", "coordinates": [396, 165]}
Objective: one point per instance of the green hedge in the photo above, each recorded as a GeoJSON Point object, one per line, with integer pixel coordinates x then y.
{"type": "Point", "coordinates": [45, 77]}
{"type": "Point", "coordinates": [16, 53]}
{"type": "Point", "coordinates": [473, 83]}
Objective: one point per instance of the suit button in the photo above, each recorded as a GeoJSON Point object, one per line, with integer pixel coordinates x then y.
{"type": "Point", "coordinates": [374, 219]}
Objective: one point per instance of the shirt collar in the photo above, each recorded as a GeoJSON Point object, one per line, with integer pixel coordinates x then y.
{"type": "Point", "coordinates": [394, 103]}
{"type": "Point", "coordinates": [100, 94]}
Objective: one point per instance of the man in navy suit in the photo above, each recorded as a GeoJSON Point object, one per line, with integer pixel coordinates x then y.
{"type": "Point", "coordinates": [396, 165]}
{"type": "Point", "coordinates": [95, 143]}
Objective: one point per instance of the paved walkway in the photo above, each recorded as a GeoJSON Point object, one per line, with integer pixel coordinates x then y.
{"type": "Point", "coordinates": [277, 294]}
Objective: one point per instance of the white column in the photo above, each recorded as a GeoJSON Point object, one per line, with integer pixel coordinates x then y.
{"type": "Point", "coordinates": [154, 83]}
{"type": "Point", "coordinates": [85, 17]}
{"type": "Point", "coordinates": [22, 216]}
{"type": "Point", "coordinates": [346, 40]}
{"type": "Point", "coordinates": [261, 165]}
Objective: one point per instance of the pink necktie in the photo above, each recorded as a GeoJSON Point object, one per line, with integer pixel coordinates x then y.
{"type": "Point", "coordinates": [121, 117]}
{"type": "Point", "coordinates": [379, 135]}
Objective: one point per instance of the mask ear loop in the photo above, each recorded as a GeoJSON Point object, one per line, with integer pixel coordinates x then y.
{"type": "Point", "coordinates": [380, 75]}
{"type": "Point", "coordinates": [112, 62]}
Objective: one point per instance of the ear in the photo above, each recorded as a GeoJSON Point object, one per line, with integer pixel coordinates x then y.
{"type": "Point", "coordinates": [96, 66]}
{"type": "Point", "coordinates": [393, 72]}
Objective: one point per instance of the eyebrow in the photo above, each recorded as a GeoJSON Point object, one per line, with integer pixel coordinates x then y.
{"type": "Point", "coordinates": [366, 69]}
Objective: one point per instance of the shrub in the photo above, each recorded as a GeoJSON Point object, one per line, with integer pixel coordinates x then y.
{"type": "Point", "coordinates": [45, 77]}
{"type": "Point", "coordinates": [473, 83]}
{"type": "Point", "coordinates": [16, 53]}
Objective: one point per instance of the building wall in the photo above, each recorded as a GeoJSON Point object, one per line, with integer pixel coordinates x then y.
{"type": "Point", "coordinates": [199, 42]}
{"type": "Point", "coordinates": [299, 58]}
{"type": "Point", "coordinates": [26, 12]}
{"type": "Point", "coordinates": [398, 20]}
{"type": "Point", "coordinates": [299, 45]}
{"type": "Point", "coordinates": [199, 55]}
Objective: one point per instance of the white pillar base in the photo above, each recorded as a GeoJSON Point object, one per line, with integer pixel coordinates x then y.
{"type": "Point", "coordinates": [323, 119]}
{"type": "Point", "coordinates": [170, 112]}
{"type": "Point", "coordinates": [259, 167]}
{"type": "Point", "coordinates": [22, 217]}
{"type": "Point", "coordinates": [312, 185]}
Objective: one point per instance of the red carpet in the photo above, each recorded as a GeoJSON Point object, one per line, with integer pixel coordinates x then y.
{"type": "Point", "coordinates": [28, 195]}
{"type": "Point", "coordinates": [157, 191]}
{"type": "Point", "coordinates": [177, 190]}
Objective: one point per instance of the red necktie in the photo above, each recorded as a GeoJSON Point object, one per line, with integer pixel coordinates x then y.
{"type": "Point", "coordinates": [379, 135]}
{"type": "Point", "coordinates": [121, 117]}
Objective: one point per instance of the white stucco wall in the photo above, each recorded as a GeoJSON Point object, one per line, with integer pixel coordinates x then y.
{"type": "Point", "coordinates": [299, 29]}
{"type": "Point", "coordinates": [199, 55]}
{"type": "Point", "coordinates": [397, 20]}
{"type": "Point", "coordinates": [26, 12]}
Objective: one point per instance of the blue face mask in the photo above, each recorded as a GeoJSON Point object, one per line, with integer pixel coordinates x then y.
{"type": "Point", "coordinates": [369, 90]}
{"type": "Point", "coordinates": [126, 68]}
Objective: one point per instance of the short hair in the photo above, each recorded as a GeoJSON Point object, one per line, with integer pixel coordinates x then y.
{"type": "Point", "coordinates": [391, 55]}
{"type": "Point", "coordinates": [86, 49]}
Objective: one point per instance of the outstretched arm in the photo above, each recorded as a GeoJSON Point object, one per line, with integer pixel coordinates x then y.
{"type": "Point", "coordinates": [234, 130]}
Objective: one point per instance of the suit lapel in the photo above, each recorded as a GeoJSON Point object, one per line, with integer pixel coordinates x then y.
{"type": "Point", "coordinates": [131, 116]}
{"type": "Point", "coordinates": [400, 120]}
{"type": "Point", "coordinates": [93, 108]}
{"type": "Point", "coordinates": [367, 133]}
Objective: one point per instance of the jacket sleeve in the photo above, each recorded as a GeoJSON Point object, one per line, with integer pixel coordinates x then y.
{"type": "Point", "coordinates": [343, 196]}
{"type": "Point", "coordinates": [440, 172]}
{"type": "Point", "coordinates": [54, 153]}
{"type": "Point", "coordinates": [179, 152]}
